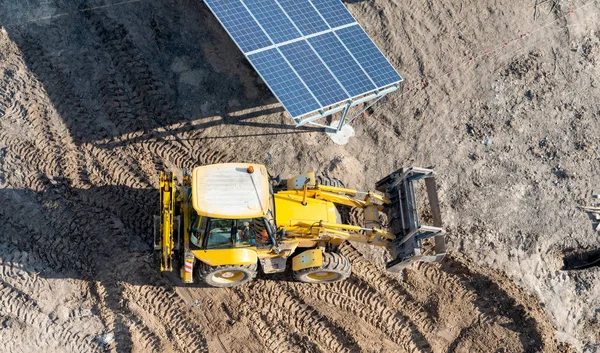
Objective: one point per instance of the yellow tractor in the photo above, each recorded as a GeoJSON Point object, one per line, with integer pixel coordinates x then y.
{"type": "Point", "coordinates": [224, 222]}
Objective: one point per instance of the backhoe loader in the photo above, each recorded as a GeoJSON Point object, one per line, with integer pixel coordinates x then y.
{"type": "Point", "coordinates": [223, 223]}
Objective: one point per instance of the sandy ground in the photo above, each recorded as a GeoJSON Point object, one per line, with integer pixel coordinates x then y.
{"type": "Point", "coordinates": [501, 97]}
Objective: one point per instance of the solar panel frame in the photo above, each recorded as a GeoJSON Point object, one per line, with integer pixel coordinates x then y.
{"type": "Point", "coordinates": [337, 18]}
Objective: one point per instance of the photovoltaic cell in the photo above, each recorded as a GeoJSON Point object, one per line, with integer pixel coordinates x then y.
{"type": "Point", "coordinates": [314, 73]}
{"type": "Point", "coordinates": [240, 24]}
{"type": "Point", "coordinates": [307, 74]}
{"type": "Point", "coordinates": [273, 20]}
{"type": "Point", "coordinates": [304, 16]}
{"type": "Point", "coordinates": [284, 83]}
{"type": "Point", "coordinates": [334, 12]}
{"type": "Point", "coordinates": [368, 55]}
{"type": "Point", "coordinates": [342, 64]}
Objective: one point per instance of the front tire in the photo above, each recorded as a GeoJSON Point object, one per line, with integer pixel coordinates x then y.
{"type": "Point", "coordinates": [227, 276]}
{"type": "Point", "coordinates": [335, 268]}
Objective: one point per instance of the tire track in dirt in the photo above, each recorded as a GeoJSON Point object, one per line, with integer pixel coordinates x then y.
{"type": "Point", "coordinates": [134, 99]}
{"type": "Point", "coordinates": [480, 303]}
{"type": "Point", "coordinates": [154, 111]}
{"type": "Point", "coordinates": [280, 304]}
{"type": "Point", "coordinates": [123, 170]}
{"type": "Point", "coordinates": [411, 297]}
{"type": "Point", "coordinates": [13, 267]}
{"type": "Point", "coordinates": [163, 303]}
{"type": "Point", "coordinates": [356, 297]}
{"type": "Point", "coordinates": [132, 207]}
{"type": "Point", "coordinates": [42, 114]}
{"type": "Point", "coordinates": [106, 303]}
{"type": "Point", "coordinates": [143, 335]}
{"type": "Point", "coordinates": [20, 306]}
{"type": "Point", "coordinates": [394, 292]}
{"type": "Point", "coordinates": [272, 337]}
{"type": "Point", "coordinates": [114, 167]}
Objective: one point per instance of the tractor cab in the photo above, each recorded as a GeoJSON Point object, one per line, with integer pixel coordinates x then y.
{"type": "Point", "coordinates": [233, 204]}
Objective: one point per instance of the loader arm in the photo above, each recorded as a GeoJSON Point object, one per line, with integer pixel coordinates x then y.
{"type": "Point", "coordinates": [403, 232]}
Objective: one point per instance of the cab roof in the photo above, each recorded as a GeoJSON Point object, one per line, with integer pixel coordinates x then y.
{"type": "Point", "coordinates": [228, 190]}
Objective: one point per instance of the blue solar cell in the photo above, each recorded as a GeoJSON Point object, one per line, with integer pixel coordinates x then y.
{"type": "Point", "coordinates": [304, 16]}
{"type": "Point", "coordinates": [308, 74]}
{"type": "Point", "coordinates": [273, 20]}
{"type": "Point", "coordinates": [284, 83]}
{"type": "Point", "coordinates": [239, 23]}
{"type": "Point", "coordinates": [342, 64]}
{"type": "Point", "coordinates": [334, 12]}
{"type": "Point", "coordinates": [368, 55]}
{"type": "Point", "coordinates": [314, 73]}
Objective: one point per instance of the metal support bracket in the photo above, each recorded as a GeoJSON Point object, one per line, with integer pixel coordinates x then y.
{"type": "Point", "coordinates": [344, 107]}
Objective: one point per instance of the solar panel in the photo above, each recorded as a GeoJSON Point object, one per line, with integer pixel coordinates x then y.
{"type": "Point", "coordinates": [312, 54]}
{"type": "Point", "coordinates": [343, 65]}
{"type": "Point", "coordinates": [273, 20]}
{"type": "Point", "coordinates": [305, 16]}
{"type": "Point", "coordinates": [368, 55]}
{"type": "Point", "coordinates": [334, 12]}
{"type": "Point", "coordinates": [244, 30]}
{"type": "Point", "coordinates": [286, 85]}
{"type": "Point", "coordinates": [310, 68]}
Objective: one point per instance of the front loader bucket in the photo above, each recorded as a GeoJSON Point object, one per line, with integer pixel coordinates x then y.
{"type": "Point", "coordinates": [403, 217]}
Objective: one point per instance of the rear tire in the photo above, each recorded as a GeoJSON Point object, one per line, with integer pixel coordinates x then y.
{"type": "Point", "coordinates": [227, 276]}
{"type": "Point", "coordinates": [335, 268]}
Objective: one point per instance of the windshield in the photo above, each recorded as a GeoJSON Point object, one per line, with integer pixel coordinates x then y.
{"type": "Point", "coordinates": [228, 233]}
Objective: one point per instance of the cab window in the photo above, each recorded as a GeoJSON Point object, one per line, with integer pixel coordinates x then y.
{"type": "Point", "coordinates": [197, 233]}
{"type": "Point", "coordinates": [219, 233]}
{"type": "Point", "coordinates": [228, 233]}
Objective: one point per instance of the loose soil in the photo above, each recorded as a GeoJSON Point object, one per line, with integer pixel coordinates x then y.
{"type": "Point", "coordinates": [501, 97]}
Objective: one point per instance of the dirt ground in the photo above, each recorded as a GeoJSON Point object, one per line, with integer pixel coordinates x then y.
{"type": "Point", "coordinates": [501, 97]}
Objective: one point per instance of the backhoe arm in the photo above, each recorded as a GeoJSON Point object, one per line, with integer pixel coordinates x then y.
{"type": "Point", "coordinates": [167, 216]}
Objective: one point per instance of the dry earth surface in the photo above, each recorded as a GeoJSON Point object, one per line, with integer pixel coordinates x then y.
{"type": "Point", "coordinates": [95, 100]}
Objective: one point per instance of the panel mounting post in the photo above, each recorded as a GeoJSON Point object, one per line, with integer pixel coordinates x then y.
{"type": "Point", "coordinates": [343, 119]}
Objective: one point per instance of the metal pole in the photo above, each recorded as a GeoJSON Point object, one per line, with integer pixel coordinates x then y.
{"type": "Point", "coordinates": [341, 124]}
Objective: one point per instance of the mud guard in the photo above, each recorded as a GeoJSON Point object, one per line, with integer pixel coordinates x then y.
{"type": "Point", "coordinates": [307, 259]}
{"type": "Point", "coordinates": [222, 257]}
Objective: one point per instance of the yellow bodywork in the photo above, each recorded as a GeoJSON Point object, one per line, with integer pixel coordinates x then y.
{"type": "Point", "coordinates": [220, 257]}
{"type": "Point", "coordinates": [307, 259]}
{"type": "Point", "coordinates": [291, 212]}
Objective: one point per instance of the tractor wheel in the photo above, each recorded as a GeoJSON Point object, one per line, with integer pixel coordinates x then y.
{"type": "Point", "coordinates": [335, 268]}
{"type": "Point", "coordinates": [227, 276]}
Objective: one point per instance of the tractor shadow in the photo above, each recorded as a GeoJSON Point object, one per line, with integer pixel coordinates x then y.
{"type": "Point", "coordinates": [101, 235]}
{"type": "Point", "coordinates": [139, 67]}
